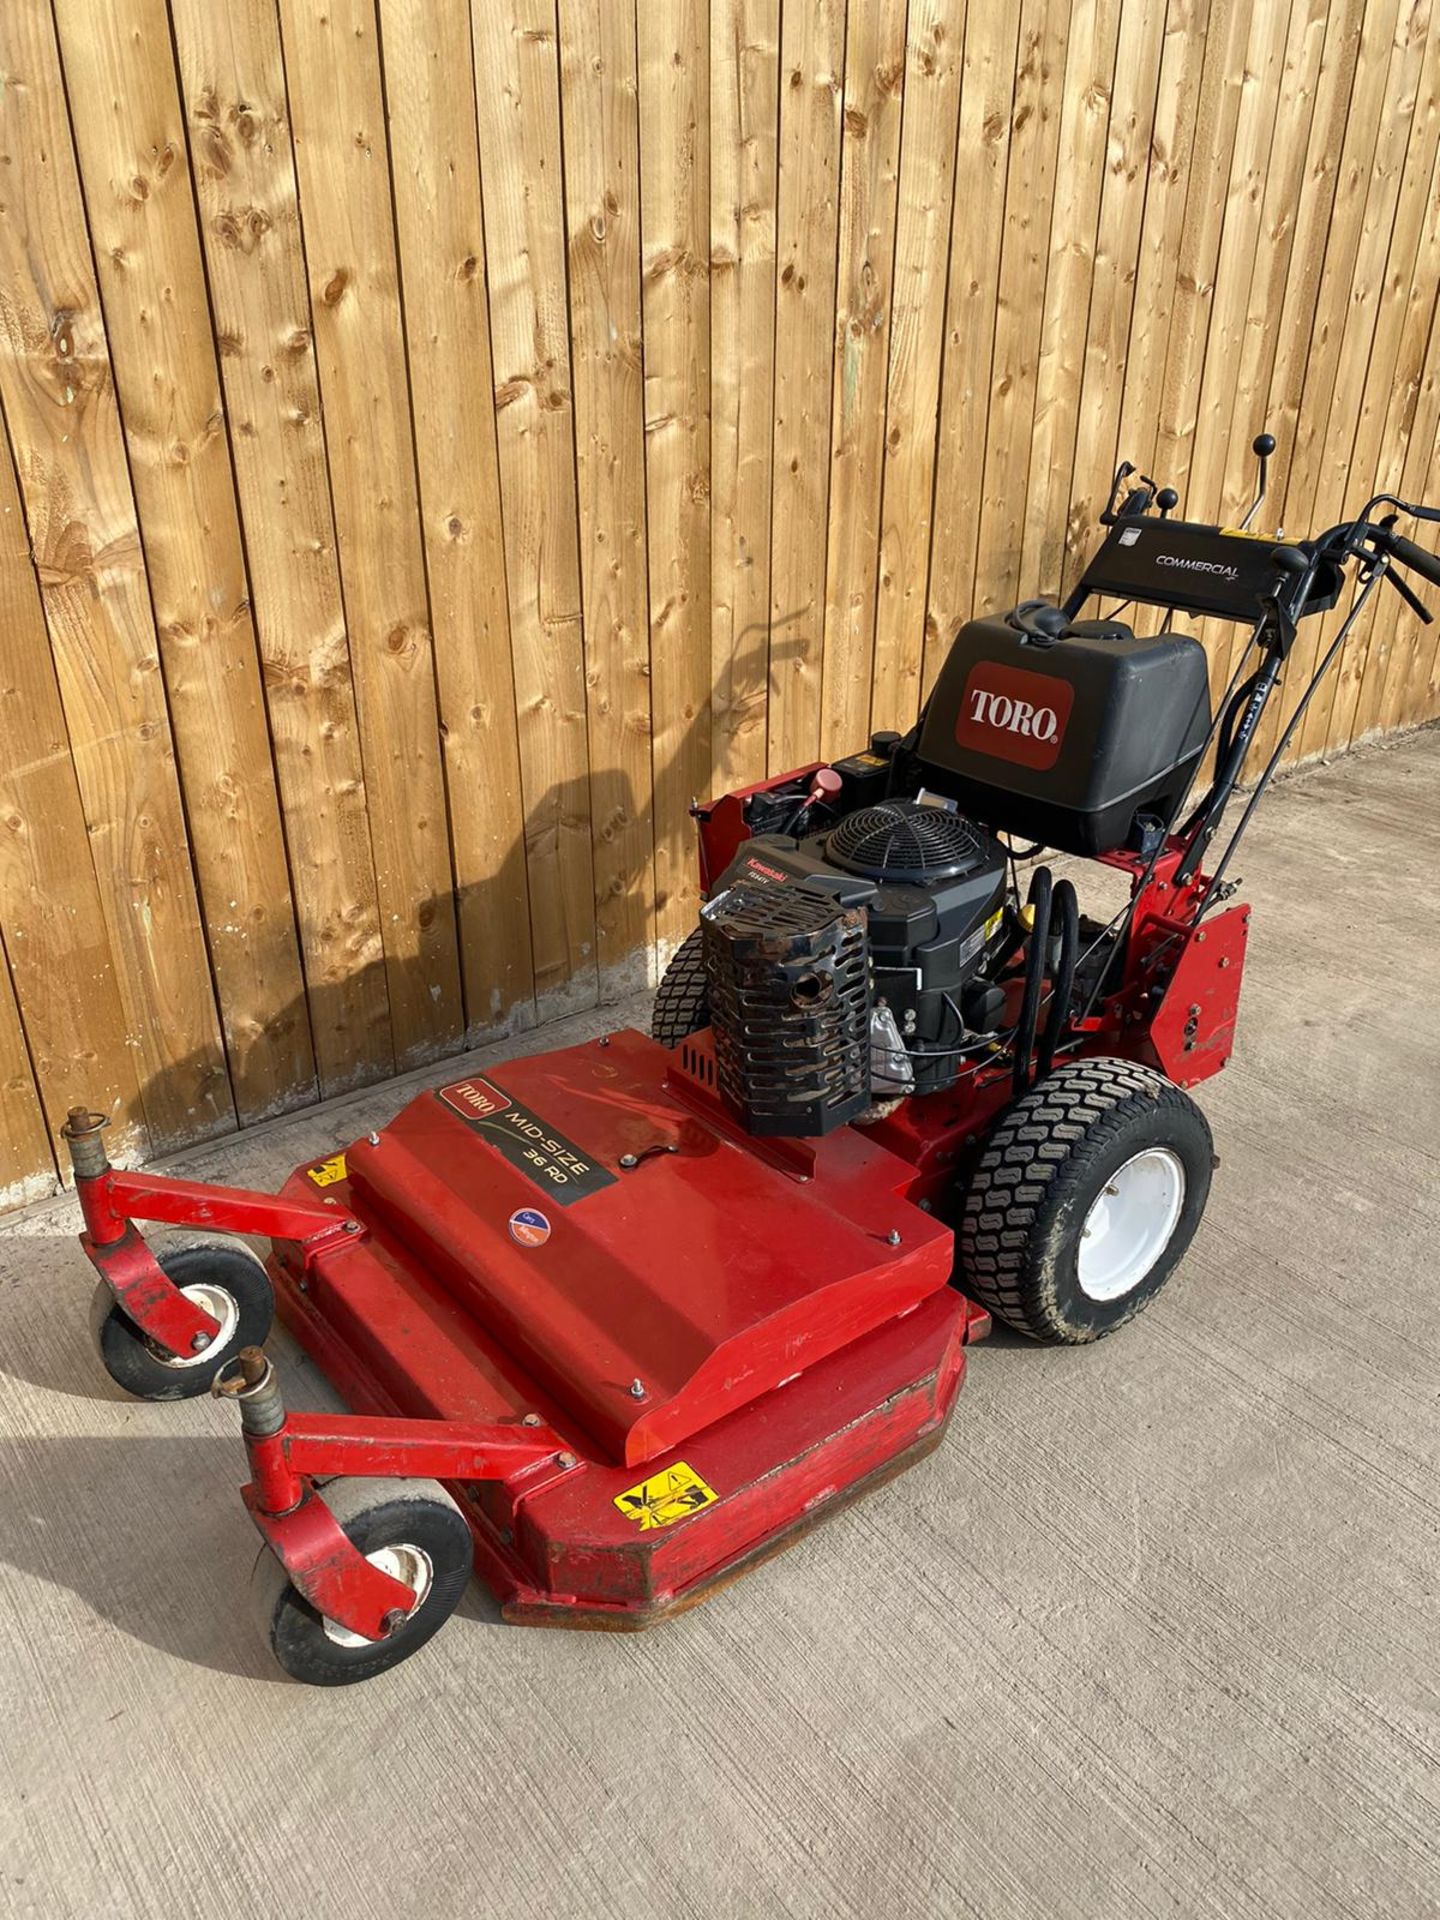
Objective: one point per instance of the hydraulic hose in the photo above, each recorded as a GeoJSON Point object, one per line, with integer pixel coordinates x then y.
{"type": "Point", "coordinates": [1035, 956]}
{"type": "Point", "coordinates": [1066, 903]}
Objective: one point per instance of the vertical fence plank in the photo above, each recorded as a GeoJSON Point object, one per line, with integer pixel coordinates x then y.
{"type": "Point", "coordinates": [1020, 295]}
{"type": "Point", "coordinates": [1405, 687]}
{"type": "Point", "coordinates": [50, 911]}
{"type": "Point", "coordinates": [1207, 385]}
{"type": "Point", "coordinates": [869, 174]}
{"type": "Point", "coordinates": [1101, 375]}
{"type": "Point", "coordinates": [675, 199]}
{"type": "Point", "coordinates": [27, 1169]}
{"type": "Point", "coordinates": [59, 399]}
{"type": "Point", "coordinates": [1374, 462]}
{"type": "Point", "coordinates": [1217, 114]}
{"type": "Point", "coordinates": [812, 65]}
{"type": "Point", "coordinates": [1172, 141]}
{"type": "Point", "coordinates": [1074, 226]}
{"type": "Point", "coordinates": [744, 108]}
{"type": "Point", "coordinates": [1411, 419]}
{"type": "Point", "coordinates": [1376, 138]}
{"type": "Point", "coordinates": [517, 98]}
{"type": "Point", "coordinates": [238, 120]}
{"type": "Point", "coordinates": [435, 165]}
{"type": "Point", "coordinates": [1242, 382]}
{"type": "Point", "coordinates": [934, 55]}
{"type": "Point", "coordinates": [598, 93]}
{"type": "Point", "coordinates": [130, 134]}
{"type": "Point", "coordinates": [987, 93]}
{"type": "Point", "coordinates": [333, 73]}
{"type": "Point", "coordinates": [1234, 274]}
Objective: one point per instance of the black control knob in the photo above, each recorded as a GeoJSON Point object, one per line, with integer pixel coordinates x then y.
{"type": "Point", "coordinates": [1263, 444]}
{"type": "Point", "coordinates": [884, 744]}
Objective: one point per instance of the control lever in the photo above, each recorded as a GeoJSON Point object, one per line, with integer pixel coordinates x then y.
{"type": "Point", "coordinates": [1412, 599]}
{"type": "Point", "coordinates": [1262, 446]}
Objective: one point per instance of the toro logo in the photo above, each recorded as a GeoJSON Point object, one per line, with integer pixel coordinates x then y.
{"type": "Point", "coordinates": [475, 1099]}
{"type": "Point", "coordinates": [1012, 714]}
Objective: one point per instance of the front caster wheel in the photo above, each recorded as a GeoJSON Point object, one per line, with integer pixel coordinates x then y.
{"type": "Point", "coordinates": [413, 1531]}
{"type": "Point", "coordinates": [228, 1281]}
{"type": "Point", "coordinates": [1086, 1196]}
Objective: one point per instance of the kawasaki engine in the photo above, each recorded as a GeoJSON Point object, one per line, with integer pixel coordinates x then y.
{"type": "Point", "coordinates": [847, 968]}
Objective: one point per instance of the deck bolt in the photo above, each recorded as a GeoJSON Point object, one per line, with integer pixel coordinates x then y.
{"type": "Point", "coordinates": [564, 1459]}
{"type": "Point", "coordinates": [1201, 938]}
{"type": "Point", "coordinates": [531, 1420]}
{"type": "Point", "coordinates": [1195, 1012]}
{"type": "Point", "coordinates": [352, 1226]}
{"type": "Point", "coordinates": [1224, 963]}
{"type": "Point", "coordinates": [637, 1389]}
{"type": "Point", "coordinates": [373, 1138]}
{"type": "Point", "coordinates": [893, 1237]}
{"type": "Point", "coordinates": [604, 1039]}
{"type": "Point", "coordinates": [628, 1160]}
{"type": "Point", "coordinates": [199, 1343]}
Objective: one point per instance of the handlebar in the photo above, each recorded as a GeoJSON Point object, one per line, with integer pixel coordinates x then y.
{"type": "Point", "coordinates": [1426, 564]}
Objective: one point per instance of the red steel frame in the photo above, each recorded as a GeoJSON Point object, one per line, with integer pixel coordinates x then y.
{"type": "Point", "coordinates": [1175, 1008]}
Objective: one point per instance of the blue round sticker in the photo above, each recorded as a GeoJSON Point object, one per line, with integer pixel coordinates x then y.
{"type": "Point", "coordinates": [529, 1227]}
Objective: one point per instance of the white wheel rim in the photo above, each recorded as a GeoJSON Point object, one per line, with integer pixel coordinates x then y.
{"type": "Point", "coordinates": [410, 1566]}
{"type": "Point", "coordinates": [1130, 1223]}
{"type": "Point", "coordinates": [220, 1306]}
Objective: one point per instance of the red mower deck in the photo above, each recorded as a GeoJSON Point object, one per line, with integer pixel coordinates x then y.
{"type": "Point", "coordinates": [558, 1239]}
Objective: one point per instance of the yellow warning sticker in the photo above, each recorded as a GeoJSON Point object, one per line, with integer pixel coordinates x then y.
{"type": "Point", "coordinates": [328, 1171]}
{"type": "Point", "coordinates": [666, 1497]}
{"type": "Point", "coordinates": [992, 925]}
{"type": "Point", "coordinates": [1244, 533]}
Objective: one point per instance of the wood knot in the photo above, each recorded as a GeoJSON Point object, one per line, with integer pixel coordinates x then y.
{"type": "Point", "coordinates": [333, 291]}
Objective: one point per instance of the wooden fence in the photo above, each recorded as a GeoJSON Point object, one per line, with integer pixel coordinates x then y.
{"type": "Point", "coordinates": [443, 439]}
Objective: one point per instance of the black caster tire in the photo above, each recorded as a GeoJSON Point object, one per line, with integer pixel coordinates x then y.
{"type": "Point", "coordinates": [411, 1528]}
{"type": "Point", "coordinates": [1084, 1201]}
{"type": "Point", "coordinates": [225, 1278]}
{"type": "Point", "coordinates": [682, 1000]}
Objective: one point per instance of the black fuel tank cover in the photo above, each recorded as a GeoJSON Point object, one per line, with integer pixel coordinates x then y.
{"type": "Point", "coordinates": [906, 840]}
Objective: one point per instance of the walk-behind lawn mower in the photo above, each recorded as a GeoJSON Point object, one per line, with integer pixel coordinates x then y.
{"type": "Point", "coordinates": [621, 1320]}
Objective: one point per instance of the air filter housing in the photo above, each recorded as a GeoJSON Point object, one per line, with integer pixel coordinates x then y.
{"type": "Point", "coordinates": [789, 993]}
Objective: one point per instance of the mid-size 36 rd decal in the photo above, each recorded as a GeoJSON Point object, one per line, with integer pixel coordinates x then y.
{"type": "Point", "coordinates": [556, 1165]}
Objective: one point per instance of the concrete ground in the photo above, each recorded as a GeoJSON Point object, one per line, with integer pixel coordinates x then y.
{"type": "Point", "coordinates": [1155, 1633]}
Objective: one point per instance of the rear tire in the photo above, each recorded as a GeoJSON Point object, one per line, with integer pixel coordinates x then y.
{"type": "Point", "coordinates": [1088, 1192]}
{"type": "Point", "coordinates": [411, 1528]}
{"type": "Point", "coordinates": [682, 1000]}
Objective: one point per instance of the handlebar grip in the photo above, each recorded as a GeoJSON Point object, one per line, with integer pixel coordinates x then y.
{"type": "Point", "coordinates": [1417, 558]}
